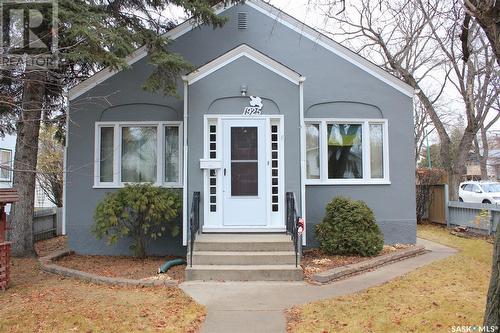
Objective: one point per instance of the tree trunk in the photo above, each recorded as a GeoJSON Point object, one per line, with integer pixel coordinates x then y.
{"type": "Point", "coordinates": [486, 13]}
{"type": "Point", "coordinates": [492, 313]}
{"type": "Point", "coordinates": [456, 168]}
{"type": "Point", "coordinates": [25, 160]}
{"type": "Point", "coordinates": [483, 166]}
{"type": "Point", "coordinates": [483, 159]}
{"type": "Point", "coordinates": [453, 184]}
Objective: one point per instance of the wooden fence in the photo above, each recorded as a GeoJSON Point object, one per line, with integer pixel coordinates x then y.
{"type": "Point", "coordinates": [437, 206]}
{"type": "Point", "coordinates": [47, 223]}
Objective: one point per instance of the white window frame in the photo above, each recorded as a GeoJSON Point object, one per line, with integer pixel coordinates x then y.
{"type": "Point", "coordinates": [323, 149]}
{"type": "Point", "coordinates": [8, 164]}
{"type": "Point", "coordinates": [117, 150]}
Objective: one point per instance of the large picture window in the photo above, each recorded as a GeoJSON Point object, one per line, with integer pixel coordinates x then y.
{"type": "Point", "coordinates": [346, 151]}
{"type": "Point", "coordinates": [138, 153]}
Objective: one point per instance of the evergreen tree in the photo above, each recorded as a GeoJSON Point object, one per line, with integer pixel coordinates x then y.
{"type": "Point", "coordinates": [93, 34]}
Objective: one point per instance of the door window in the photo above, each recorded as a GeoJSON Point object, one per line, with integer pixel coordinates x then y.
{"type": "Point", "coordinates": [244, 161]}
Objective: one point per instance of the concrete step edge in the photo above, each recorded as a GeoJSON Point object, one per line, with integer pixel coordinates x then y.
{"type": "Point", "coordinates": [244, 267]}
{"type": "Point", "coordinates": [243, 253]}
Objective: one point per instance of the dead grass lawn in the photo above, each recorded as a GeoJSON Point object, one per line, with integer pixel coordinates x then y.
{"type": "Point", "coordinates": [41, 302]}
{"type": "Point", "coordinates": [449, 292]}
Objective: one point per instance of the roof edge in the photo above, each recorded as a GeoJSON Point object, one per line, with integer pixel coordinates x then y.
{"type": "Point", "coordinates": [276, 14]}
{"type": "Point", "coordinates": [331, 45]}
{"type": "Point", "coordinates": [243, 50]}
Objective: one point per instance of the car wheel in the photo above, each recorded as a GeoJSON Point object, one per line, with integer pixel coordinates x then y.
{"type": "Point", "coordinates": [486, 201]}
{"type": "Point", "coordinates": [460, 199]}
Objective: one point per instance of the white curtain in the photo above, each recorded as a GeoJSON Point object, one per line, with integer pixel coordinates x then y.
{"type": "Point", "coordinates": [376, 151]}
{"type": "Point", "coordinates": [139, 154]}
{"type": "Point", "coordinates": [171, 154]}
{"type": "Point", "coordinates": [106, 155]}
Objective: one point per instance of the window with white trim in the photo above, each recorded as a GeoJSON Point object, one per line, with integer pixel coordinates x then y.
{"type": "Point", "coordinates": [138, 152]}
{"type": "Point", "coordinates": [347, 151]}
{"type": "Point", "coordinates": [5, 165]}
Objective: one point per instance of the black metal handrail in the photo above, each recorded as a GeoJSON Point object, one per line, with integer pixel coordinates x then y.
{"type": "Point", "coordinates": [194, 223]}
{"type": "Point", "coordinates": [292, 224]}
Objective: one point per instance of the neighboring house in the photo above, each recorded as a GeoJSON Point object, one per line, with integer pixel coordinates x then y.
{"type": "Point", "coordinates": [473, 167]}
{"type": "Point", "coordinates": [273, 107]}
{"type": "Point", "coordinates": [494, 164]}
{"type": "Point", "coordinates": [7, 148]}
{"type": "Point", "coordinates": [7, 151]}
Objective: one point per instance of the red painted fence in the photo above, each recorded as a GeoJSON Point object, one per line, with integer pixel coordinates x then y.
{"type": "Point", "coordinates": [6, 196]}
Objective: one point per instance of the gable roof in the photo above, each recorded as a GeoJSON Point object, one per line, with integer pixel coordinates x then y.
{"type": "Point", "coordinates": [277, 15]}
{"type": "Point", "coordinates": [243, 50]}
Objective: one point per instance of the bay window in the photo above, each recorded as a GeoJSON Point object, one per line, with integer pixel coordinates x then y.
{"type": "Point", "coordinates": [346, 151]}
{"type": "Point", "coordinates": [139, 152]}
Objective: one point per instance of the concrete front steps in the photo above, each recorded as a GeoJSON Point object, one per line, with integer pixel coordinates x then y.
{"type": "Point", "coordinates": [243, 257]}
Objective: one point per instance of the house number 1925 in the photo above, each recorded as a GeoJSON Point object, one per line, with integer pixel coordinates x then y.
{"type": "Point", "coordinates": [255, 107]}
{"type": "Point", "coordinates": [251, 111]}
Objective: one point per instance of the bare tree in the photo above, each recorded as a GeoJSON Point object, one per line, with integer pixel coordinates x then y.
{"type": "Point", "coordinates": [482, 147]}
{"type": "Point", "coordinates": [412, 40]}
{"type": "Point", "coordinates": [50, 165]}
{"type": "Point", "coordinates": [487, 13]}
{"type": "Point", "coordinates": [422, 127]}
{"type": "Point", "coordinates": [473, 73]}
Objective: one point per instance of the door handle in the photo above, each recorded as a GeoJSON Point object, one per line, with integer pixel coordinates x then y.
{"type": "Point", "coordinates": [224, 171]}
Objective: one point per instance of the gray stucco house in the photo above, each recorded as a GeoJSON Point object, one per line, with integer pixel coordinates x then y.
{"type": "Point", "coordinates": [273, 107]}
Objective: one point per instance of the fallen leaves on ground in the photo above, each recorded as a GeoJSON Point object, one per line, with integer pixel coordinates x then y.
{"type": "Point", "coordinates": [45, 247]}
{"type": "Point", "coordinates": [39, 302]}
{"type": "Point", "coordinates": [316, 261]}
{"type": "Point", "coordinates": [446, 293]}
{"type": "Point", "coordinates": [124, 267]}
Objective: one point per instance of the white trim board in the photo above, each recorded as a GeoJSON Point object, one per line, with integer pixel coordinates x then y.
{"type": "Point", "coordinates": [185, 169]}
{"type": "Point", "coordinates": [243, 51]}
{"type": "Point", "coordinates": [275, 14]}
{"type": "Point", "coordinates": [245, 229]}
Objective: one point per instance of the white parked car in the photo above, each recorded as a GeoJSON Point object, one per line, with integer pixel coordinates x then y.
{"type": "Point", "coordinates": [479, 192]}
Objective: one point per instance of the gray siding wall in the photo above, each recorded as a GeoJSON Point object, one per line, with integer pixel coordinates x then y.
{"type": "Point", "coordinates": [329, 79]}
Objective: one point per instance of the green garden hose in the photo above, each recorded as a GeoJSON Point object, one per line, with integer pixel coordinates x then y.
{"type": "Point", "coordinates": [171, 263]}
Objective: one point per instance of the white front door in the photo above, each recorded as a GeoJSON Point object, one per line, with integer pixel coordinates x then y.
{"type": "Point", "coordinates": [244, 176]}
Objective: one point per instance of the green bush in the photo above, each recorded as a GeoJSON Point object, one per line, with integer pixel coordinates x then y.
{"type": "Point", "coordinates": [349, 228]}
{"type": "Point", "coordinates": [141, 212]}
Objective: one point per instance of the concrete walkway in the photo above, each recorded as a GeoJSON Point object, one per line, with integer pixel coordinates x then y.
{"type": "Point", "coordinates": [259, 306]}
